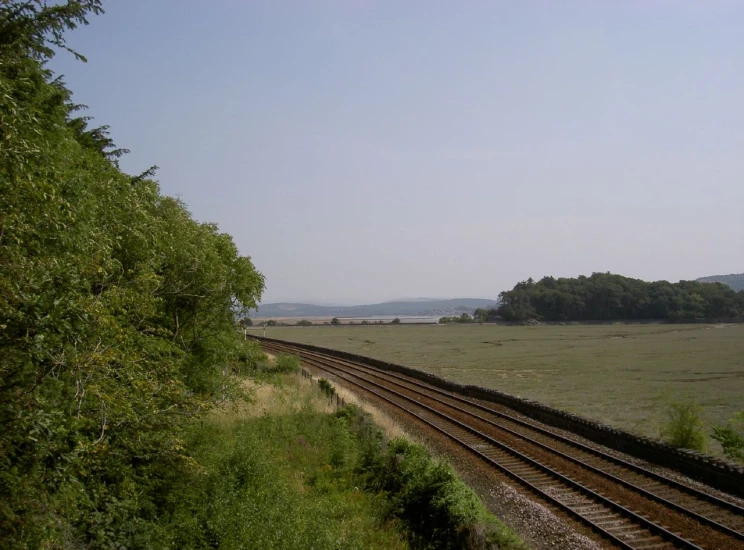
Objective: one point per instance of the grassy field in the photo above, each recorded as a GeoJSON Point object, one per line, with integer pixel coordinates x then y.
{"type": "Point", "coordinates": [624, 375]}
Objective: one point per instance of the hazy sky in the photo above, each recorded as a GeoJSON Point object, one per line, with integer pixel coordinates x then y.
{"type": "Point", "coordinates": [360, 151]}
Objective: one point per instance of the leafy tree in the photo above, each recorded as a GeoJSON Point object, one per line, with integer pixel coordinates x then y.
{"type": "Point", "coordinates": [395, 321]}
{"type": "Point", "coordinates": [117, 311]}
{"type": "Point", "coordinates": [335, 321]}
{"type": "Point", "coordinates": [304, 323]}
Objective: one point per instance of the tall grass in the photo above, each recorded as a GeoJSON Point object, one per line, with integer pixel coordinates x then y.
{"type": "Point", "coordinates": [274, 481]}
{"type": "Point", "coordinates": [288, 471]}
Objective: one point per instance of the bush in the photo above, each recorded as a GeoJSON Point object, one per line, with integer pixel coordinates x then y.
{"type": "Point", "coordinates": [249, 357]}
{"type": "Point", "coordinates": [440, 511]}
{"type": "Point", "coordinates": [286, 364]}
{"type": "Point", "coordinates": [685, 427]}
{"type": "Point", "coordinates": [326, 387]}
{"type": "Point", "coordinates": [396, 321]}
{"type": "Point", "coordinates": [335, 321]}
{"type": "Point", "coordinates": [304, 323]}
{"type": "Point", "coordinates": [731, 437]}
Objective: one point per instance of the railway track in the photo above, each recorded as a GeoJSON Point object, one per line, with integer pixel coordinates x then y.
{"type": "Point", "coordinates": [629, 505]}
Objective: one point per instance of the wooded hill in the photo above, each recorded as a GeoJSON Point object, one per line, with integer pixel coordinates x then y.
{"type": "Point", "coordinates": [605, 296]}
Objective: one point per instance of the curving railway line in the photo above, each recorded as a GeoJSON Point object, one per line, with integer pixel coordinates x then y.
{"type": "Point", "coordinates": [630, 506]}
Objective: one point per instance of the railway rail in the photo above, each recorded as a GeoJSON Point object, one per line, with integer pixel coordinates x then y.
{"type": "Point", "coordinates": [631, 506]}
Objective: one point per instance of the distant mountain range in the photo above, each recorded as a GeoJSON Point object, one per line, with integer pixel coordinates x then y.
{"type": "Point", "coordinates": [735, 280]}
{"type": "Point", "coordinates": [416, 306]}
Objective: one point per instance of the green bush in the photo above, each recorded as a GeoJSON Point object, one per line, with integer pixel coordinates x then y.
{"type": "Point", "coordinates": [326, 387]}
{"type": "Point", "coordinates": [731, 437]}
{"type": "Point", "coordinates": [685, 427]}
{"type": "Point", "coordinates": [440, 511]}
{"type": "Point", "coordinates": [286, 364]}
{"type": "Point", "coordinates": [304, 323]}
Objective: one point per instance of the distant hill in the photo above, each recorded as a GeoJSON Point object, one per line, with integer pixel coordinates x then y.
{"type": "Point", "coordinates": [415, 307]}
{"type": "Point", "coordinates": [735, 280]}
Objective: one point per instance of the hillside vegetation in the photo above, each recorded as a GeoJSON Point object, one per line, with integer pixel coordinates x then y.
{"type": "Point", "coordinates": [116, 311]}
{"type": "Point", "coordinates": [605, 296]}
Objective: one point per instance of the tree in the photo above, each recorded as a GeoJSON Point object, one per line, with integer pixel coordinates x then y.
{"type": "Point", "coordinates": [304, 323]}
{"type": "Point", "coordinates": [335, 321]}
{"type": "Point", "coordinates": [117, 311]}
{"type": "Point", "coordinates": [395, 321]}
{"type": "Point", "coordinates": [246, 322]}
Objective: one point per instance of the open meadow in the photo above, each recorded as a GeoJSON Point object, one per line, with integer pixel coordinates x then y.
{"type": "Point", "coordinates": [624, 375]}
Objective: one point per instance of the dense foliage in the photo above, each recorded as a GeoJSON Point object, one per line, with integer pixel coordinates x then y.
{"type": "Point", "coordinates": [605, 296]}
{"type": "Point", "coordinates": [731, 437]}
{"type": "Point", "coordinates": [116, 310]}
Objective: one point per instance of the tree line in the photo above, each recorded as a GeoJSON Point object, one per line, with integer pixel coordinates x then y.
{"type": "Point", "coordinates": [117, 311]}
{"type": "Point", "coordinates": [606, 296]}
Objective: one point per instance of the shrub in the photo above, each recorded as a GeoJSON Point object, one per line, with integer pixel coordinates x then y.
{"type": "Point", "coordinates": [685, 427]}
{"type": "Point", "coordinates": [304, 323]}
{"type": "Point", "coordinates": [440, 511]}
{"type": "Point", "coordinates": [286, 364]}
{"type": "Point", "coordinates": [731, 437]}
{"type": "Point", "coordinates": [249, 357]}
{"type": "Point", "coordinates": [326, 387]}
{"type": "Point", "coordinates": [335, 321]}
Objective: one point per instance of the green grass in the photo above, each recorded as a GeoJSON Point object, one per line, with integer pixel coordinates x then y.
{"type": "Point", "coordinates": [289, 471]}
{"type": "Point", "coordinates": [624, 375]}
{"type": "Point", "coordinates": [277, 474]}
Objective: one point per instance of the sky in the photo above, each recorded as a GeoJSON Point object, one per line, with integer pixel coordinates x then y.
{"type": "Point", "coordinates": [362, 151]}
